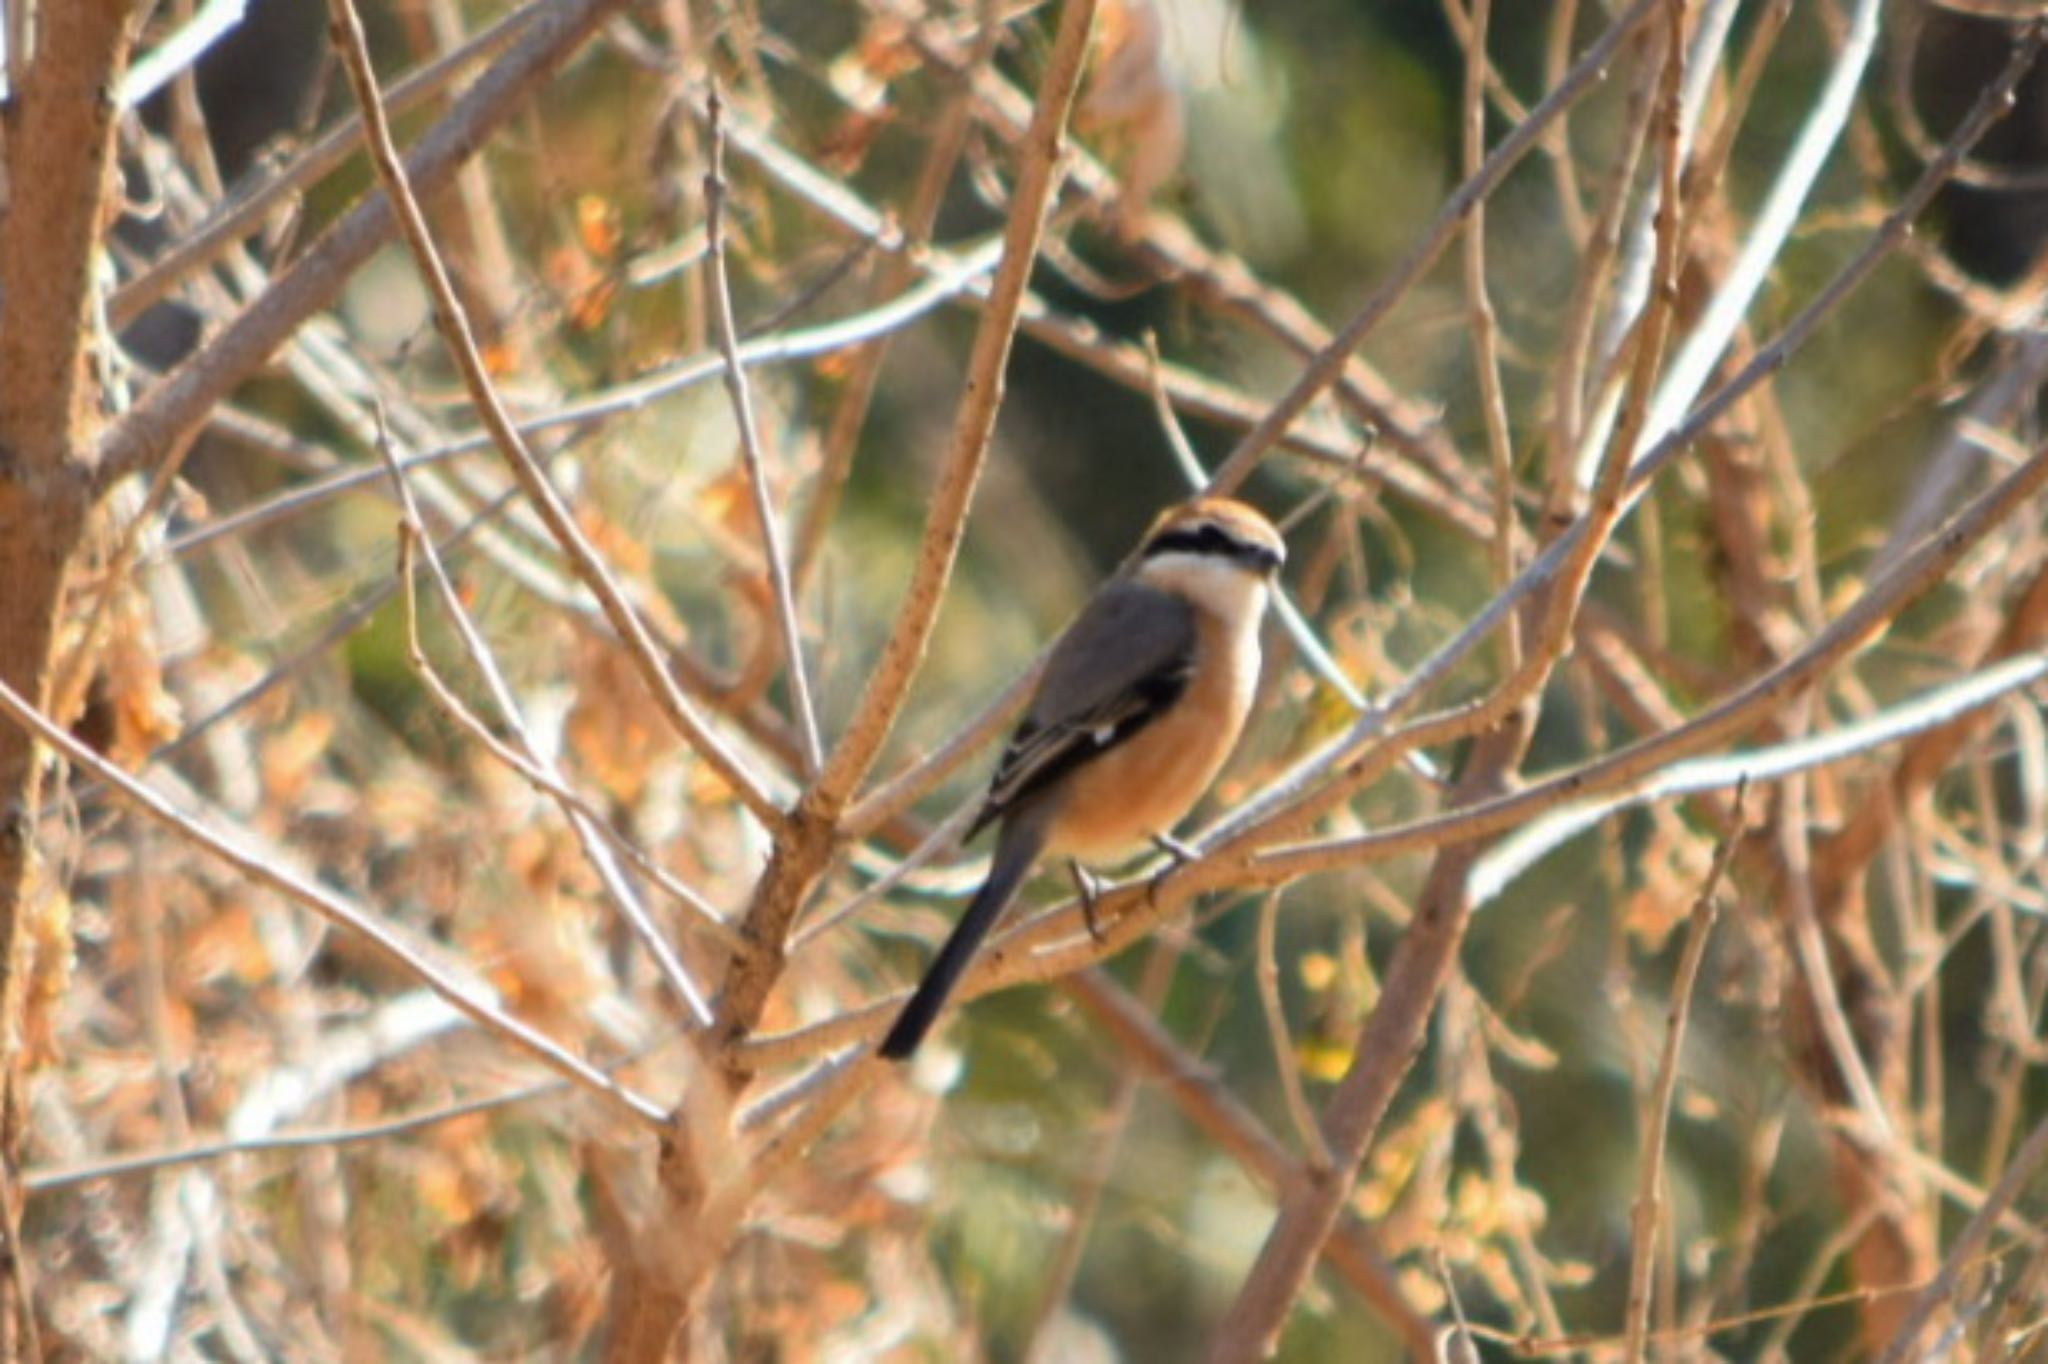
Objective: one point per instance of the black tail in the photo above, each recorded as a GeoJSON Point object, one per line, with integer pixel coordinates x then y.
{"type": "Point", "coordinates": [1016, 849]}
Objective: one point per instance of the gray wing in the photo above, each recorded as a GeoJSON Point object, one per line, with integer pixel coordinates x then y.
{"type": "Point", "coordinates": [1123, 661]}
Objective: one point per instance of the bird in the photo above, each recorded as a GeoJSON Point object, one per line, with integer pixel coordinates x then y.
{"type": "Point", "coordinates": [1141, 702]}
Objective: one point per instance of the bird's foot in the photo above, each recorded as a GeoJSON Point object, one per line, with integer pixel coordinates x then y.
{"type": "Point", "coordinates": [1088, 886]}
{"type": "Point", "coordinates": [1178, 855]}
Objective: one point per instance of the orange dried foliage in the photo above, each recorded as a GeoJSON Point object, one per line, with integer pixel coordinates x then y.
{"type": "Point", "coordinates": [626, 553]}
{"type": "Point", "coordinates": [500, 358]}
{"type": "Point", "coordinates": [597, 225]}
{"type": "Point", "coordinates": [407, 806]}
{"type": "Point", "coordinates": [886, 51]}
{"type": "Point", "coordinates": [1405, 1150]}
{"type": "Point", "coordinates": [52, 961]}
{"type": "Point", "coordinates": [1482, 1217]}
{"type": "Point", "coordinates": [545, 960]}
{"type": "Point", "coordinates": [1133, 105]}
{"type": "Point", "coordinates": [145, 715]}
{"type": "Point", "coordinates": [589, 310]}
{"type": "Point", "coordinates": [574, 1301]}
{"type": "Point", "coordinates": [292, 757]}
{"type": "Point", "coordinates": [1421, 1201]}
{"type": "Point", "coordinates": [789, 1293]}
{"type": "Point", "coordinates": [614, 730]}
{"type": "Point", "coordinates": [226, 943]}
{"type": "Point", "coordinates": [838, 364]}
{"type": "Point", "coordinates": [541, 857]}
{"type": "Point", "coordinates": [862, 75]}
{"type": "Point", "coordinates": [845, 148]}
{"type": "Point", "coordinates": [443, 1193]}
{"type": "Point", "coordinates": [469, 1190]}
{"type": "Point", "coordinates": [727, 501]}
{"type": "Point", "coordinates": [586, 287]}
{"type": "Point", "coordinates": [1671, 867]}
{"type": "Point", "coordinates": [708, 790]}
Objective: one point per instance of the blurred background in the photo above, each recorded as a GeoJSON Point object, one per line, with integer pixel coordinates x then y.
{"type": "Point", "coordinates": [1250, 178]}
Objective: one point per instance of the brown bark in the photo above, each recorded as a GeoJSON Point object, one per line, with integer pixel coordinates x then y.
{"type": "Point", "coordinates": [1899, 1246]}
{"type": "Point", "coordinates": [59, 147]}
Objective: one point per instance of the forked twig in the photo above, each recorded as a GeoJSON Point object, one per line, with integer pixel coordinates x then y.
{"type": "Point", "coordinates": [453, 322]}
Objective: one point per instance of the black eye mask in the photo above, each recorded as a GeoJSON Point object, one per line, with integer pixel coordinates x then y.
{"type": "Point", "coordinates": [1210, 538]}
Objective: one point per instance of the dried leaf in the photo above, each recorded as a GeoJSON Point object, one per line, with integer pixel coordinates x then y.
{"type": "Point", "coordinates": [1134, 106]}
{"type": "Point", "coordinates": [131, 681]}
{"type": "Point", "coordinates": [597, 225]}
{"type": "Point", "coordinates": [292, 757]}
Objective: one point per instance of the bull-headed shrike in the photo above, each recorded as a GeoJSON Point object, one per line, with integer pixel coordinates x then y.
{"type": "Point", "coordinates": [1140, 704]}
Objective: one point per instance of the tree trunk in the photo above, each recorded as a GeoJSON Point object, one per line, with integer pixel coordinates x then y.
{"type": "Point", "coordinates": [58, 127]}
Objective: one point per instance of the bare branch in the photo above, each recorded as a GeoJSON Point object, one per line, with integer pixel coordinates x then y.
{"type": "Point", "coordinates": [1656, 1119]}
{"type": "Point", "coordinates": [469, 1000]}
{"type": "Point", "coordinates": [540, 491]}
{"type": "Point", "coordinates": [161, 420]}
{"type": "Point", "coordinates": [720, 288]}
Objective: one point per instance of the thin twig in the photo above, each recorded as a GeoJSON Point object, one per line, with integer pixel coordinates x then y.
{"type": "Point", "coordinates": [1696, 358]}
{"type": "Point", "coordinates": [1633, 284]}
{"type": "Point", "coordinates": [161, 418]}
{"type": "Point", "coordinates": [1479, 302]}
{"type": "Point", "coordinates": [806, 840]}
{"type": "Point", "coordinates": [1287, 792]}
{"type": "Point", "coordinates": [1816, 967]}
{"type": "Point", "coordinates": [720, 289]}
{"type": "Point", "coordinates": [332, 907]}
{"type": "Point", "coordinates": [1086, 1197]}
{"type": "Point", "coordinates": [1285, 1062]}
{"type": "Point", "coordinates": [1595, 272]}
{"type": "Point", "coordinates": [453, 322]}
{"type": "Point", "coordinates": [246, 207]}
{"type": "Point", "coordinates": [849, 415]}
{"type": "Point", "coordinates": [975, 422]}
{"type": "Point", "coordinates": [589, 826]}
{"type": "Point", "coordinates": [1032, 951]}
{"type": "Point", "coordinates": [50, 1179]}
{"type": "Point", "coordinates": [2026, 1163]}
{"type": "Point", "coordinates": [1656, 1119]}
{"type": "Point", "coordinates": [1352, 1251]}
{"type": "Point", "coordinates": [944, 834]}
{"type": "Point", "coordinates": [887, 799]}
{"type": "Point", "coordinates": [1324, 369]}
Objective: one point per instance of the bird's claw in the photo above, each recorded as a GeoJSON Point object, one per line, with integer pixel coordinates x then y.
{"type": "Point", "coordinates": [1089, 887]}
{"type": "Point", "coordinates": [1178, 855]}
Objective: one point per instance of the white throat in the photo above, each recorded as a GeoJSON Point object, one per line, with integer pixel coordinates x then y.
{"type": "Point", "coordinates": [1227, 590]}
